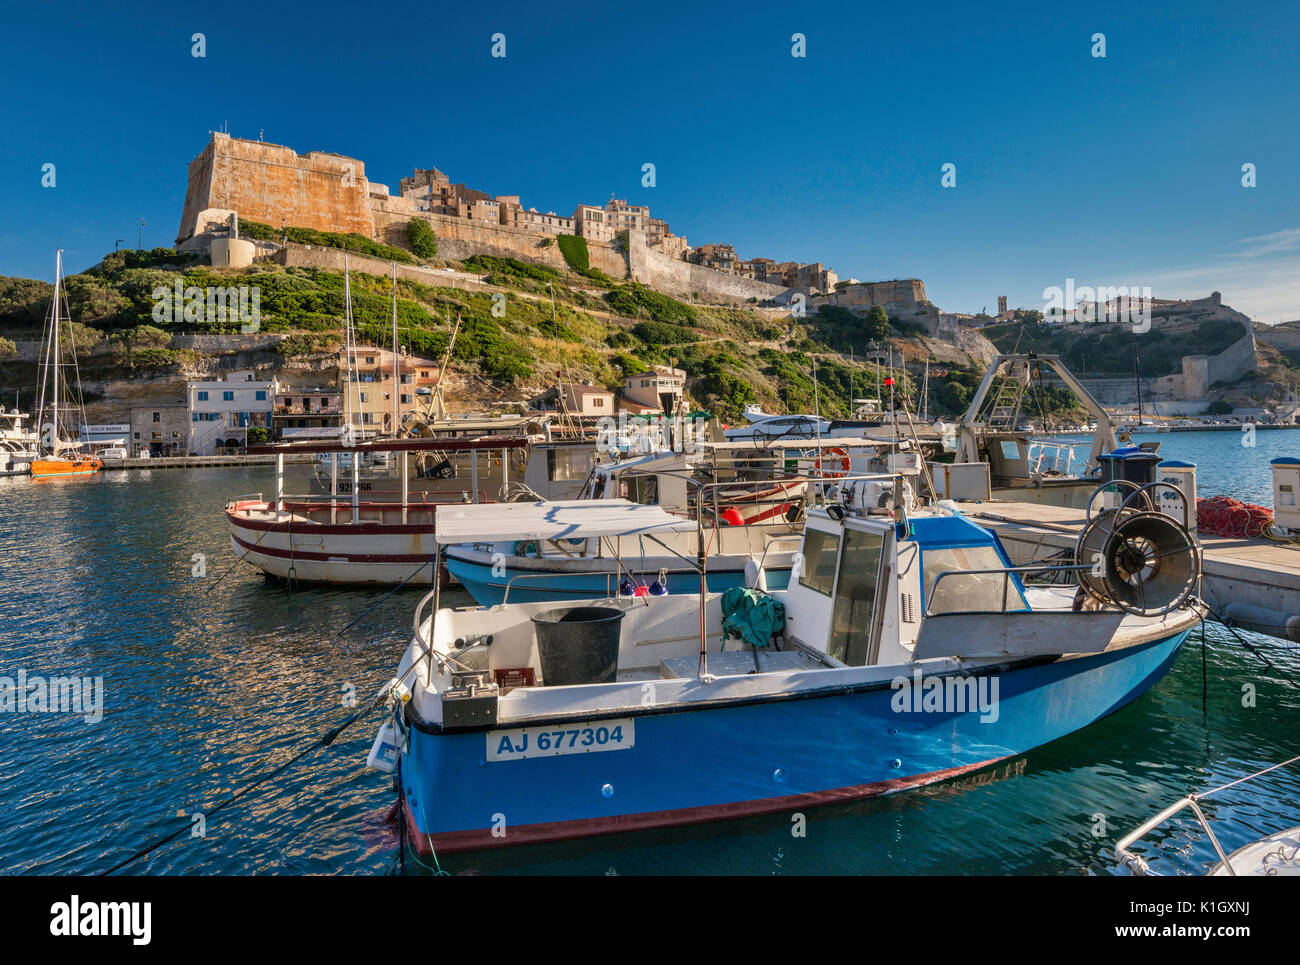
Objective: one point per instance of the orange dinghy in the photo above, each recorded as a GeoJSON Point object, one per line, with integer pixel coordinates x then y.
{"type": "Point", "coordinates": [82, 466]}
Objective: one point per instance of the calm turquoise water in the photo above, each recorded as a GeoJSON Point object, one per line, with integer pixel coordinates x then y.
{"type": "Point", "coordinates": [209, 681]}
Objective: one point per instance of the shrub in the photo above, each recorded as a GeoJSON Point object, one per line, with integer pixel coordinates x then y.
{"type": "Point", "coordinates": [350, 241]}
{"type": "Point", "coordinates": [421, 238]}
{"type": "Point", "coordinates": [662, 333]}
{"type": "Point", "coordinates": [510, 266]}
{"type": "Point", "coordinates": [574, 250]}
{"type": "Point", "coordinates": [633, 300]}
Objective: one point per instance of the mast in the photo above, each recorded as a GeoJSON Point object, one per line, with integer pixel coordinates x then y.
{"type": "Point", "coordinates": [1137, 383]}
{"type": "Point", "coordinates": [57, 326]}
{"type": "Point", "coordinates": [349, 350]}
{"type": "Point", "coordinates": [397, 382]}
{"type": "Point", "coordinates": [925, 391]}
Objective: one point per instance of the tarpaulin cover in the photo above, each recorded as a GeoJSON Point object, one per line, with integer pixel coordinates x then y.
{"type": "Point", "coordinates": [752, 615]}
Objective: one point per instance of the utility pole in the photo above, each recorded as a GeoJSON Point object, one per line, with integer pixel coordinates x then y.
{"type": "Point", "coordinates": [139, 245]}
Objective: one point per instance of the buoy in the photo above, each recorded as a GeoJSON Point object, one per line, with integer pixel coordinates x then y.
{"type": "Point", "coordinates": [731, 516]}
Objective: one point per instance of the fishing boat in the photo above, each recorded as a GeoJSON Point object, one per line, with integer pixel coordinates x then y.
{"type": "Point", "coordinates": [344, 539]}
{"type": "Point", "coordinates": [1273, 854]}
{"type": "Point", "coordinates": [906, 650]}
{"type": "Point", "coordinates": [17, 444]}
{"type": "Point", "coordinates": [1021, 467]}
{"type": "Point", "coordinates": [55, 455]}
{"type": "Point", "coordinates": [749, 496]}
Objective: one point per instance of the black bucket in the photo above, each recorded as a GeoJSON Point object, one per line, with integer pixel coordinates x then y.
{"type": "Point", "coordinates": [578, 645]}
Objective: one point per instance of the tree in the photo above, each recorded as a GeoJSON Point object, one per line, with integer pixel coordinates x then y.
{"type": "Point", "coordinates": [421, 238]}
{"type": "Point", "coordinates": [7, 347]}
{"type": "Point", "coordinates": [877, 324]}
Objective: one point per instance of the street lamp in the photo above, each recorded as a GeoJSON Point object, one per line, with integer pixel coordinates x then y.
{"type": "Point", "coordinates": [118, 242]}
{"type": "Point", "coordinates": [140, 238]}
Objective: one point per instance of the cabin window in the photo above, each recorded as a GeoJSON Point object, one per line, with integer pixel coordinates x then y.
{"type": "Point", "coordinates": [968, 593]}
{"type": "Point", "coordinates": [853, 616]}
{"type": "Point", "coordinates": [817, 569]}
{"type": "Point", "coordinates": [561, 465]}
{"type": "Point", "coordinates": [1010, 449]}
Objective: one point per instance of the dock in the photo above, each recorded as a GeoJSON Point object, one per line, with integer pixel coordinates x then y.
{"type": "Point", "coordinates": [1254, 583]}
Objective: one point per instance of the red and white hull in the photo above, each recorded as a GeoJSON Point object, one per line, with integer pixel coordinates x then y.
{"type": "Point", "coordinates": [311, 544]}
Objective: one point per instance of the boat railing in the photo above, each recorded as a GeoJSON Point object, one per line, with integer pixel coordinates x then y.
{"type": "Point", "coordinates": [1006, 572]}
{"type": "Point", "coordinates": [1039, 449]}
{"type": "Point", "coordinates": [609, 581]}
{"type": "Point", "coordinates": [1138, 865]}
{"type": "Point", "coordinates": [795, 537]}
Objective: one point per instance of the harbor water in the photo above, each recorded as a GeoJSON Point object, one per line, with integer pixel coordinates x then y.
{"type": "Point", "coordinates": [211, 676]}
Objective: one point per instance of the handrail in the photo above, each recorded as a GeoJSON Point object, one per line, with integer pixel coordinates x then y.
{"type": "Point", "coordinates": [505, 598]}
{"type": "Point", "coordinates": [1006, 571]}
{"type": "Point", "coordinates": [1135, 862]}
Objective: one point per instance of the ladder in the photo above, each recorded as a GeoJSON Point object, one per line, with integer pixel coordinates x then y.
{"type": "Point", "coordinates": [1005, 412]}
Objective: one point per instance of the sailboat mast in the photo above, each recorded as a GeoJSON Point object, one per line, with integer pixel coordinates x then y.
{"type": "Point", "coordinates": [348, 385]}
{"type": "Point", "coordinates": [58, 327]}
{"type": "Point", "coordinates": [397, 382]}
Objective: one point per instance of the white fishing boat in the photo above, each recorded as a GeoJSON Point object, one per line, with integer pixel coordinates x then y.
{"type": "Point", "coordinates": [345, 539]}
{"type": "Point", "coordinates": [1273, 854]}
{"type": "Point", "coordinates": [906, 650]}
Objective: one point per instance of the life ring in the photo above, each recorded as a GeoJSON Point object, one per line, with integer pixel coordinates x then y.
{"type": "Point", "coordinates": [841, 456]}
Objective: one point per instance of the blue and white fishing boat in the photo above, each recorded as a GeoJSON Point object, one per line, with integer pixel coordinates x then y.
{"type": "Point", "coordinates": [905, 650]}
{"type": "Point", "coordinates": [750, 499]}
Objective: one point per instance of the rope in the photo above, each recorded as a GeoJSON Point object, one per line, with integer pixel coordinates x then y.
{"type": "Point", "coordinates": [325, 740]}
{"type": "Point", "coordinates": [1225, 516]}
{"type": "Point", "coordinates": [1245, 643]}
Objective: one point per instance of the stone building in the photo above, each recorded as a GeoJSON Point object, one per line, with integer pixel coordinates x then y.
{"type": "Point", "coordinates": [306, 412]}
{"type": "Point", "coordinates": [160, 429]}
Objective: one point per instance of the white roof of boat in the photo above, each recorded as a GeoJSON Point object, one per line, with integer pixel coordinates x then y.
{"type": "Point", "coordinates": [562, 519]}
{"type": "Point", "coordinates": [800, 442]}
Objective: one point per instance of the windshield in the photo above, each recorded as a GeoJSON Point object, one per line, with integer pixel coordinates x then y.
{"type": "Point", "coordinates": [969, 592]}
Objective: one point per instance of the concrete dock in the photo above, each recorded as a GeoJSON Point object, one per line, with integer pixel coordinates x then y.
{"type": "Point", "coordinates": [1254, 583]}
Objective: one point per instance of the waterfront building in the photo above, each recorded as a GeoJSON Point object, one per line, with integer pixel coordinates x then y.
{"type": "Point", "coordinates": [659, 389]}
{"type": "Point", "coordinates": [161, 429]}
{"type": "Point", "coordinates": [369, 395]}
{"type": "Point", "coordinates": [314, 412]}
{"type": "Point", "coordinates": [221, 411]}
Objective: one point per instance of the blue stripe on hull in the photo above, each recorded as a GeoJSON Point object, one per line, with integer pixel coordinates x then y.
{"type": "Point", "coordinates": [530, 587]}
{"type": "Point", "coordinates": [762, 752]}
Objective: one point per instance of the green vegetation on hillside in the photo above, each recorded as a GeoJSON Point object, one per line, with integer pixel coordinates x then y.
{"type": "Point", "coordinates": [574, 250]}
{"type": "Point", "coordinates": [350, 241]}
{"type": "Point", "coordinates": [423, 242]}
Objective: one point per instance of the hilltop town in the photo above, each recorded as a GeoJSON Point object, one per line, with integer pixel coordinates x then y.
{"type": "Point", "coordinates": [595, 312]}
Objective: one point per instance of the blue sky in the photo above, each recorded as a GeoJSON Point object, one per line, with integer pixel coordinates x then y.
{"type": "Point", "coordinates": [1117, 171]}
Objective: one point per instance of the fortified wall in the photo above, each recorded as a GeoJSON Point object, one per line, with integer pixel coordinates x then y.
{"type": "Point", "coordinates": [275, 185]}
{"type": "Point", "coordinates": [687, 280]}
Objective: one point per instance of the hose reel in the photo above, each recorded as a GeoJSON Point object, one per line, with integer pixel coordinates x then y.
{"type": "Point", "coordinates": [1141, 560]}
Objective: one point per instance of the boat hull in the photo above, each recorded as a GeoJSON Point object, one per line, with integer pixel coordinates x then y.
{"type": "Point", "coordinates": [65, 467]}
{"type": "Point", "coordinates": [488, 588]}
{"type": "Point", "coordinates": [344, 554]}
{"type": "Point", "coordinates": [727, 760]}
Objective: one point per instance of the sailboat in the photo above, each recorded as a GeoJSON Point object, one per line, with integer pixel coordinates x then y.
{"type": "Point", "coordinates": [54, 457]}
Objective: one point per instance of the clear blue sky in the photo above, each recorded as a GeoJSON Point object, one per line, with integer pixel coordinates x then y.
{"type": "Point", "coordinates": [1117, 171]}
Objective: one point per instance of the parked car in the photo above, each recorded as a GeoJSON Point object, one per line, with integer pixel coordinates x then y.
{"type": "Point", "coordinates": [115, 452]}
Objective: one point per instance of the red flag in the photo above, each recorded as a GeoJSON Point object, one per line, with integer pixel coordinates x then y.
{"type": "Point", "coordinates": [889, 381]}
